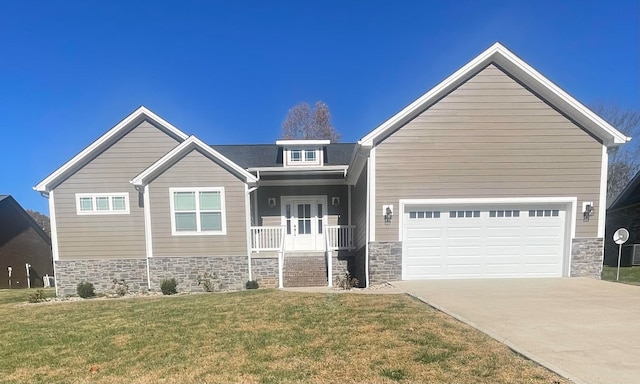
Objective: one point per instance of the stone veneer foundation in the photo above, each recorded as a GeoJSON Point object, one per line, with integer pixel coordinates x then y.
{"type": "Point", "coordinates": [385, 261]}
{"type": "Point", "coordinates": [232, 273]}
{"type": "Point", "coordinates": [587, 255]}
{"type": "Point", "coordinates": [100, 273]}
{"type": "Point", "coordinates": [265, 271]}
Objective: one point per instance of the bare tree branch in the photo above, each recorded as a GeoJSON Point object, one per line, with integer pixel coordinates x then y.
{"type": "Point", "coordinates": [304, 122]}
{"type": "Point", "coordinates": [624, 161]}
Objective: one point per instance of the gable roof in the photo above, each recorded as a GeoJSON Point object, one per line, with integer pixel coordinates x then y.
{"type": "Point", "coordinates": [630, 195]}
{"type": "Point", "coordinates": [106, 140]}
{"type": "Point", "coordinates": [181, 150]}
{"type": "Point", "coordinates": [521, 71]}
{"type": "Point", "coordinates": [9, 200]}
{"type": "Point", "coordinates": [270, 155]}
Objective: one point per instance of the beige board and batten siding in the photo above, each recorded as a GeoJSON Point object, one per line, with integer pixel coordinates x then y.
{"type": "Point", "coordinates": [489, 138]}
{"type": "Point", "coordinates": [198, 171]}
{"type": "Point", "coordinates": [109, 236]}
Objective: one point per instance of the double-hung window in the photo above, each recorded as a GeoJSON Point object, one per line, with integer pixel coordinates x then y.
{"type": "Point", "coordinates": [197, 211]}
{"type": "Point", "coordinates": [102, 203]}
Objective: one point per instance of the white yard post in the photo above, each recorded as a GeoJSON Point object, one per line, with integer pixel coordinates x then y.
{"type": "Point", "coordinates": [27, 266]}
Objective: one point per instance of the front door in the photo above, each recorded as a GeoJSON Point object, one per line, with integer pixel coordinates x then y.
{"type": "Point", "coordinates": [302, 218]}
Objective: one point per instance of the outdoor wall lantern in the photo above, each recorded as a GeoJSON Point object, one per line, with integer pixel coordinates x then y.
{"type": "Point", "coordinates": [587, 210]}
{"type": "Point", "coordinates": [387, 212]}
{"type": "Point", "coordinates": [271, 202]}
{"type": "Point", "coordinates": [335, 201]}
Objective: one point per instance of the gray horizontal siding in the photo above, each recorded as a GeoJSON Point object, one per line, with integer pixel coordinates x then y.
{"type": "Point", "coordinates": [109, 236]}
{"type": "Point", "coordinates": [338, 215]}
{"type": "Point", "coordinates": [196, 170]}
{"type": "Point", "coordinates": [359, 209]}
{"type": "Point", "coordinates": [491, 137]}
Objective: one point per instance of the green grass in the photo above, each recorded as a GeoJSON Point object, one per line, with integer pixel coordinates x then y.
{"type": "Point", "coordinates": [257, 336]}
{"type": "Point", "coordinates": [628, 275]}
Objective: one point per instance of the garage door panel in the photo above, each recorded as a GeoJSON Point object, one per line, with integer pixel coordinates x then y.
{"type": "Point", "coordinates": [489, 241]}
{"type": "Point", "coordinates": [424, 233]}
{"type": "Point", "coordinates": [463, 250]}
{"type": "Point", "coordinates": [423, 272]}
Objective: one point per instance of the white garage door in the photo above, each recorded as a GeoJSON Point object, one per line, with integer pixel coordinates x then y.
{"type": "Point", "coordinates": [449, 242]}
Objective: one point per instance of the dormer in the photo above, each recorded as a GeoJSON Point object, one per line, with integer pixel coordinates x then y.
{"type": "Point", "coordinates": [302, 153]}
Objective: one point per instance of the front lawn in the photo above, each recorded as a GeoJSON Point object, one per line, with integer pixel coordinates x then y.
{"type": "Point", "coordinates": [263, 336]}
{"type": "Point", "coordinates": [628, 275]}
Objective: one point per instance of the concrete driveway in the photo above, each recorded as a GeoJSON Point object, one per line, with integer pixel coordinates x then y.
{"type": "Point", "coordinates": [584, 329]}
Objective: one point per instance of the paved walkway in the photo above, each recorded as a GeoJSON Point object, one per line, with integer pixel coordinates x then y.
{"type": "Point", "coordinates": [584, 329]}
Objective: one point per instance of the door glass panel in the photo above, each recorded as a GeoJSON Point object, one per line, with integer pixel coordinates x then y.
{"type": "Point", "coordinates": [304, 219]}
{"type": "Point", "coordinates": [320, 218]}
{"type": "Point", "coordinates": [288, 218]}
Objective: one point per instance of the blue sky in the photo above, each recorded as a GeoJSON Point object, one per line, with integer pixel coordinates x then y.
{"type": "Point", "coordinates": [228, 71]}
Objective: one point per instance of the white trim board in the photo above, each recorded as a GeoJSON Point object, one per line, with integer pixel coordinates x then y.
{"type": "Point", "coordinates": [54, 230]}
{"type": "Point", "coordinates": [602, 209]}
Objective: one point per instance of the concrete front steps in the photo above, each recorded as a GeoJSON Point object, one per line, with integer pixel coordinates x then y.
{"type": "Point", "coordinates": [304, 269]}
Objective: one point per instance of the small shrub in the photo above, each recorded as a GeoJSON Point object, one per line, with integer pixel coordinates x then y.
{"type": "Point", "coordinates": [347, 281]}
{"type": "Point", "coordinates": [85, 290]}
{"type": "Point", "coordinates": [120, 287]}
{"type": "Point", "coordinates": [252, 284]}
{"type": "Point", "coordinates": [37, 297]}
{"type": "Point", "coordinates": [209, 282]}
{"type": "Point", "coordinates": [169, 286]}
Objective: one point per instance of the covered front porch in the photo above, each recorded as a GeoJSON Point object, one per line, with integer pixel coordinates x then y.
{"type": "Point", "coordinates": [304, 227]}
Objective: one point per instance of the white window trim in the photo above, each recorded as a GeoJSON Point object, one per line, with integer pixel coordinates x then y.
{"type": "Point", "coordinates": [303, 162]}
{"type": "Point", "coordinates": [93, 197]}
{"type": "Point", "coordinates": [198, 233]}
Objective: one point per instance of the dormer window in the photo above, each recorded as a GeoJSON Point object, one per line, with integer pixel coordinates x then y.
{"type": "Point", "coordinates": [303, 155]}
{"type": "Point", "coordinates": [303, 152]}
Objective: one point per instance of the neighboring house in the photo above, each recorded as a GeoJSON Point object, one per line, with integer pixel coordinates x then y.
{"type": "Point", "coordinates": [22, 242]}
{"type": "Point", "coordinates": [624, 212]}
{"type": "Point", "coordinates": [495, 172]}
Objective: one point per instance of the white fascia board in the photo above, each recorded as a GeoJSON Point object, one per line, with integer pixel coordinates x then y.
{"type": "Point", "coordinates": [502, 56]}
{"type": "Point", "coordinates": [298, 143]}
{"type": "Point", "coordinates": [301, 169]}
{"type": "Point", "coordinates": [43, 186]}
{"type": "Point", "coordinates": [189, 144]}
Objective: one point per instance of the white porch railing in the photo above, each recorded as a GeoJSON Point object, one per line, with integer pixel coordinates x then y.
{"type": "Point", "coordinates": [267, 238]}
{"type": "Point", "coordinates": [339, 237]}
